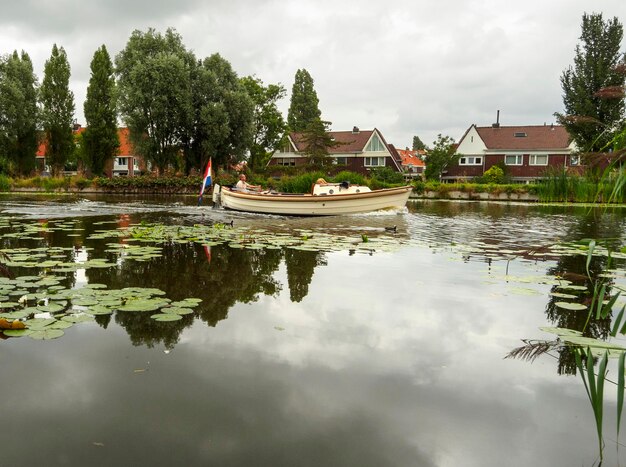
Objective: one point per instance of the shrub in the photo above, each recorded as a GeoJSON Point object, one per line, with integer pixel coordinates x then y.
{"type": "Point", "coordinates": [493, 175]}
{"type": "Point", "coordinates": [5, 183]}
{"type": "Point", "coordinates": [352, 177]}
{"type": "Point", "coordinates": [387, 175]}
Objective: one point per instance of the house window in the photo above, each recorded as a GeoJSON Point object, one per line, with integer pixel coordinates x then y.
{"type": "Point", "coordinates": [538, 159]}
{"type": "Point", "coordinates": [574, 160]}
{"type": "Point", "coordinates": [341, 160]}
{"type": "Point", "coordinates": [513, 159]}
{"type": "Point", "coordinates": [470, 160]}
{"type": "Point", "coordinates": [375, 145]}
{"type": "Point", "coordinates": [374, 162]}
{"type": "Point", "coordinates": [122, 161]}
{"type": "Point", "coordinates": [286, 161]}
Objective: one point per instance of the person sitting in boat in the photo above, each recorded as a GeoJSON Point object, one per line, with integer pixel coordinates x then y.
{"type": "Point", "coordinates": [321, 181]}
{"type": "Point", "coordinates": [242, 185]}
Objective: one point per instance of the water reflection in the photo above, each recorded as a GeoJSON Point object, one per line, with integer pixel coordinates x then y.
{"type": "Point", "coordinates": [308, 357]}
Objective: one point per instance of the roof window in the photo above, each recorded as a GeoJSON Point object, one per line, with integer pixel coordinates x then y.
{"type": "Point", "coordinates": [520, 134]}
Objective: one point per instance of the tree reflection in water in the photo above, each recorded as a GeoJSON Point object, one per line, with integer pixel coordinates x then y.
{"type": "Point", "coordinates": [226, 277]}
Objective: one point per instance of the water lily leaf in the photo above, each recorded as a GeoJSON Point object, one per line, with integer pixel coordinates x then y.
{"type": "Point", "coordinates": [177, 310]}
{"type": "Point", "coordinates": [39, 323]}
{"type": "Point", "coordinates": [166, 317]}
{"type": "Point", "coordinates": [17, 332]}
{"type": "Point", "coordinates": [142, 305]}
{"type": "Point", "coordinates": [51, 308]}
{"type": "Point", "coordinates": [84, 301]}
{"type": "Point", "coordinates": [64, 324]}
{"type": "Point", "coordinates": [78, 318]}
{"type": "Point", "coordinates": [561, 331]}
{"type": "Point", "coordinates": [98, 310]}
{"type": "Point", "coordinates": [46, 334]}
{"type": "Point", "coordinates": [571, 306]}
{"type": "Point", "coordinates": [562, 295]}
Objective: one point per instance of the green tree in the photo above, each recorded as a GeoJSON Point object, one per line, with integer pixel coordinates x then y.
{"type": "Point", "coordinates": [304, 105]}
{"type": "Point", "coordinates": [440, 157]}
{"type": "Point", "coordinates": [100, 141]}
{"type": "Point", "coordinates": [317, 141]}
{"type": "Point", "coordinates": [268, 123]}
{"type": "Point", "coordinates": [18, 113]}
{"type": "Point", "coordinates": [58, 110]}
{"type": "Point", "coordinates": [154, 90]}
{"type": "Point", "coordinates": [417, 143]}
{"type": "Point", "coordinates": [589, 117]}
{"type": "Point", "coordinates": [222, 115]}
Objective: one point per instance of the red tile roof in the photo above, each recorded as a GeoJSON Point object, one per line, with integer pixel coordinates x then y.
{"type": "Point", "coordinates": [354, 142]}
{"type": "Point", "coordinates": [126, 148]}
{"type": "Point", "coordinates": [410, 157]}
{"type": "Point", "coordinates": [537, 137]}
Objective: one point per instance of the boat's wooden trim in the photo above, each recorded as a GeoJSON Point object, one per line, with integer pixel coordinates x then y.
{"type": "Point", "coordinates": [282, 197]}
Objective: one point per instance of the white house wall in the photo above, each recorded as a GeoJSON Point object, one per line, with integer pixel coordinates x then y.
{"type": "Point", "coordinates": [472, 143]}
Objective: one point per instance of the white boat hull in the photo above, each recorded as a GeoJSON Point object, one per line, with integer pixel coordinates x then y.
{"type": "Point", "coordinates": [313, 205]}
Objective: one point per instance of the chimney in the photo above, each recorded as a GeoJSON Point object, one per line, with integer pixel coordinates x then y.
{"type": "Point", "coordinates": [497, 124]}
{"type": "Point", "coordinates": [355, 130]}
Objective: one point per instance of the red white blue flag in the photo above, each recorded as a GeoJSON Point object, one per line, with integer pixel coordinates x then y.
{"type": "Point", "coordinates": [206, 182]}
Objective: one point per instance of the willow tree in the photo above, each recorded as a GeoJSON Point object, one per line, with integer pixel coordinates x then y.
{"type": "Point", "coordinates": [57, 110]}
{"type": "Point", "coordinates": [100, 141]}
{"type": "Point", "coordinates": [268, 125]}
{"type": "Point", "coordinates": [18, 114]}
{"type": "Point", "coordinates": [590, 118]}
{"type": "Point", "coordinates": [304, 105]}
{"type": "Point", "coordinates": [155, 98]}
{"type": "Point", "coordinates": [221, 127]}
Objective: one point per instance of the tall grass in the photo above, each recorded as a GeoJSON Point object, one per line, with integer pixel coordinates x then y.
{"type": "Point", "coordinates": [559, 186]}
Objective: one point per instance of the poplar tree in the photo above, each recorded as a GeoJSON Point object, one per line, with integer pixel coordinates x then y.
{"type": "Point", "coordinates": [18, 114]}
{"type": "Point", "coordinates": [58, 110]}
{"type": "Point", "coordinates": [100, 139]}
{"type": "Point", "coordinates": [590, 118]}
{"type": "Point", "coordinates": [304, 105]}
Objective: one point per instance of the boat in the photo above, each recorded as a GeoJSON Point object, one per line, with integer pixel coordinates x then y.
{"type": "Point", "coordinates": [324, 200]}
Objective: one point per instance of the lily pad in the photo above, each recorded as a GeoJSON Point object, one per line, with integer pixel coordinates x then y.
{"type": "Point", "coordinates": [571, 306]}
{"type": "Point", "coordinates": [166, 317]}
{"type": "Point", "coordinates": [46, 334]}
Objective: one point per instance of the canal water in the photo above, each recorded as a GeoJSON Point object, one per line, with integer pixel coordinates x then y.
{"type": "Point", "coordinates": [365, 340]}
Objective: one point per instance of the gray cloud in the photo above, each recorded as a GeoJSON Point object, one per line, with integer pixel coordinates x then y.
{"type": "Point", "coordinates": [407, 68]}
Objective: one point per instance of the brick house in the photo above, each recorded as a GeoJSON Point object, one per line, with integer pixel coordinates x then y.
{"type": "Point", "coordinates": [359, 151]}
{"type": "Point", "coordinates": [526, 152]}
{"type": "Point", "coordinates": [413, 164]}
{"type": "Point", "coordinates": [126, 163]}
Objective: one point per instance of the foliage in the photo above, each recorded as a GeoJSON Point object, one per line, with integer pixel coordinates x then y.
{"type": "Point", "coordinates": [304, 104]}
{"type": "Point", "coordinates": [589, 116]}
{"type": "Point", "coordinates": [417, 143]}
{"type": "Point", "coordinates": [387, 175]}
{"type": "Point", "coordinates": [171, 184]}
{"type": "Point", "coordinates": [300, 183]}
{"type": "Point", "coordinates": [352, 177]}
{"type": "Point", "coordinates": [317, 141]}
{"type": "Point", "coordinates": [440, 157]}
{"type": "Point", "coordinates": [100, 141]}
{"type": "Point", "coordinates": [560, 186]}
{"type": "Point", "coordinates": [58, 109]}
{"type": "Point", "coordinates": [268, 123]}
{"type": "Point", "coordinates": [222, 126]}
{"type": "Point", "coordinates": [155, 99]}
{"type": "Point", "coordinates": [18, 114]}
{"type": "Point", "coordinates": [494, 174]}
{"type": "Point", "coordinates": [5, 183]}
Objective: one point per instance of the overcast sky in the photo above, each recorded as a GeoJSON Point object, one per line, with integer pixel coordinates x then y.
{"type": "Point", "coordinates": [406, 67]}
